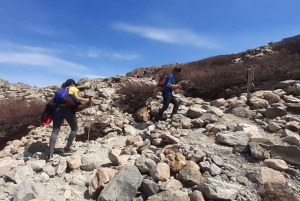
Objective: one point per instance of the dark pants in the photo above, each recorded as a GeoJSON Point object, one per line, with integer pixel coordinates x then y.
{"type": "Point", "coordinates": [69, 115]}
{"type": "Point", "coordinates": [167, 99]}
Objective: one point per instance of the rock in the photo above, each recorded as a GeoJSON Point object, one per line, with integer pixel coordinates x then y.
{"type": "Point", "coordinates": [190, 174]}
{"type": "Point", "coordinates": [171, 184]}
{"type": "Point", "coordinates": [49, 170]}
{"type": "Point", "coordinates": [217, 160]}
{"type": "Point", "coordinates": [233, 138]}
{"type": "Point", "coordinates": [195, 111]}
{"type": "Point", "coordinates": [271, 97]}
{"type": "Point", "coordinates": [289, 154]}
{"type": "Point", "coordinates": [197, 196]}
{"type": "Point", "coordinates": [251, 129]}
{"type": "Point", "coordinates": [144, 164]}
{"type": "Point", "coordinates": [292, 139]}
{"type": "Point", "coordinates": [93, 161]}
{"type": "Point", "coordinates": [266, 176]}
{"type": "Point", "coordinates": [274, 127]}
{"type": "Point", "coordinates": [218, 190]}
{"type": "Point", "coordinates": [240, 112]}
{"type": "Point", "coordinates": [209, 118]}
{"type": "Point", "coordinates": [74, 161]}
{"type": "Point", "coordinates": [276, 164]}
{"type": "Point", "coordinates": [284, 84]}
{"type": "Point", "coordinates": [214, 170]}
{"type": "Point", "coordinates": [259, 102]}
{"type": "Point", "coordinates": [272, 112]}
{"type": "Point", "coordinates": [123, 186]}
{"type": "Point", "coordinates": [136, 141]}
{"type": "Point", "coordinates": [142, 115]}
{"type": "Point", "coordinates": [28, 190]}
{"type": "Point", "coordinates": [37, 165]}
{"type": "Point", "coordinates": [170, 196]}
{"type": "Point", "coordinates": [171, 139]}
{"type": "Point", "coordinates": [62, 166]}
{"type": "Point", "coordinates": [176, 166]}
{"type": "Point", "coordinates": [129, 130]}
{"type": "Point", "coordinates": [258, 151]}
{"type": "Point", "coordinates": [218, 102]}
{"type": "Point", "coordinates": [149, 187]}
{"type": "Point", "coordinates": [100, 180]}
{"type": "Point", "coordinates": [19, 174]}
{"type": "Point", "coordinates": [161, 172]}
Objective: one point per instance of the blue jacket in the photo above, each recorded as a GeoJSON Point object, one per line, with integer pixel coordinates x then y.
{"type": "Point", "coordinates": [169, 80]}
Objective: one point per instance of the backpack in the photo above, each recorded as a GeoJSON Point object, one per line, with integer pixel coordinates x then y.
{"type": "Point", "coordinates": [161, 82]}
{"type": "Point", "coordinates": [60, 95]}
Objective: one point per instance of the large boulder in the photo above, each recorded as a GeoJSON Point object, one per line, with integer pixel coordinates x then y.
{"type": "Point", "coordinates": [123, 186]}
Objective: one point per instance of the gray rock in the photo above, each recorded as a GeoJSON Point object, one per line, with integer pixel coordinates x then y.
{"type": "Point", "coordinates": [123, 186]}
{"type": "Point", "coordinates": [149, 187]}
{"type": "Point", "coordinates": [240, 112]}
{"type": "Point", "coordinates": [28, 190]}
{"type": "Point", "coordinates": [233, 138]}
{"type": "Point", "coordinates": [144, 164]}
{"type": "Point", "coordinates": [217, 160]}
{"type": "Point", "coordinates": [215, 189]}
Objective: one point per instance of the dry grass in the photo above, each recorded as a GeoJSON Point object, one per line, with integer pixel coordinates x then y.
{"type": "Point", "coordinates": [276, 193]}
{"type": "Point", "coordinates": [19, 112]}
{"type": "Point", "coordinates": [211, 76]}
{"type": "Point", "coordinates": [135, 94]}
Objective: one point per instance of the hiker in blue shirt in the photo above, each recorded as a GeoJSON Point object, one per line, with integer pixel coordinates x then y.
{"type": "Point", "coordinates": [167, 93]}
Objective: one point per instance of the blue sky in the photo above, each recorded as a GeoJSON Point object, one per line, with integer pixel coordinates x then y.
{"type": "Point", "coordinates": [43, 42]}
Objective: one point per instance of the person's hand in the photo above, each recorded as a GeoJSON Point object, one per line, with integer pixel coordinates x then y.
{"type": "Point", "coordinates": [177, 86]}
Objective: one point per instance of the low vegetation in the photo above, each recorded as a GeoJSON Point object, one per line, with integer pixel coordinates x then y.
{"type": "Point", "coordinates": [16, 113]}
{"type": "Point", "coordinates": [276, 193]}
{"type": "Point", "coordinates": [135, 94]}
{"type": "Point", "coordinates": [209, 78]}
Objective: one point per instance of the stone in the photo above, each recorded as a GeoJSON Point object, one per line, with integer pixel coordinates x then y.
{"type": "Point", "coordinates": [123, 186]}
{"type": "Point", "coordinates": [276, 164]}
{"type": "Point", "coordinates": [266, 175]}
{"type": "Point", "coordinates": [28, 190]}
{"type": "Point", "coordinates": [170, 196]}
{"type": "Point", "coordinates": [240, 112]}
{"type": "Point", "coordinates": [161, 172]}
{"type": "Point", "coordinates": [218, 102]}
{"type": "Point", "coordinates": [272, 112]}
{"type": "Point", "coordinates": [142, 115]}
{"type": "Point", "coordinates": [190, 174]}
{"type": "Point", "coordinates": [100, 180]}
{"type": "Point", "coordinates": [233, 138]}
{"type": "Point", "coordinates": [74, 162]}
{"type": "Point", "coordinates": [197, 196]}
{"type": "Point", "coordinates": [145, 164]}
{"type": "Point", "coordinates": [149, 187]}
{"type": "Point", "coordinates": [195, 111]}
{"type": "Point", "coordinates": [218, 190]}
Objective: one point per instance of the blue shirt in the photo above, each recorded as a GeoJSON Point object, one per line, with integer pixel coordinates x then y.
{"type": "Point", "coordinates": [169, 80]}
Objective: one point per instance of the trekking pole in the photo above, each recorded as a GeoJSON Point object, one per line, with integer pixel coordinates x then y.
{"type": "Point", "coordinates": [90, 119]}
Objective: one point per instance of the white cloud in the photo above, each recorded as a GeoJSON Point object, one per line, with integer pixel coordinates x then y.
{"type": "Point", "coordinates": [176, 36]}
{"type": "Point", "coordinates": [52, 63]}
{"type": "Point", "coordinates": [96, 53]}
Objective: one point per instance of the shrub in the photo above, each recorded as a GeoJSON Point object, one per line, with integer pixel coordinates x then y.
{"type": "Point", "coordinates": [19, 112]}
{"type": "Point", "coordinates": [135, 94]}
{"type": "Point", "coordinates": [276, 193]}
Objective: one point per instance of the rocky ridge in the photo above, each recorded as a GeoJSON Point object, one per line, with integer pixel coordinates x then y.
{"type": "Point", "coordinates": [218, 150]}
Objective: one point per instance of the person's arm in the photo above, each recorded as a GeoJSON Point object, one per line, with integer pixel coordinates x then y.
{"type": "Point", "coordinates": [170, 85]}
{"type": "Point", "coordinates": [76, 94]}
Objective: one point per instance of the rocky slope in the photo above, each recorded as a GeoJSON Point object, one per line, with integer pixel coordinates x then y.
{"type": "Point", "coordinates": [218, 150]}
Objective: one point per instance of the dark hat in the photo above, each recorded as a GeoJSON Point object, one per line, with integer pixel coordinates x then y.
{"type": "Point", "coordinates": [177, 69]}
{"type": "Point", "coordinates": [69, 82]}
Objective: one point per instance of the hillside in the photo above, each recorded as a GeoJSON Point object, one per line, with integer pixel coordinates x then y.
{"type": "Point", "coordinates": [218, 149]}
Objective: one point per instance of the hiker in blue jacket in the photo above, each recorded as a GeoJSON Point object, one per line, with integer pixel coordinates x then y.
{"type": "Point", "coordinates": [167, 93]}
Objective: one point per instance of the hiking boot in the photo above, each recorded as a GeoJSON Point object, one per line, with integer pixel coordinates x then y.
{"type": "Point", "coordinates": [69, 150]}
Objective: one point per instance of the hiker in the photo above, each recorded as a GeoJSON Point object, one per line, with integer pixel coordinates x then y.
{"type": "Point", "coordinates": [69, 114]}
{"type": "Point", "coordinates": [167, 93]}
{"type": "Point", "coordinates": [138, 75]}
